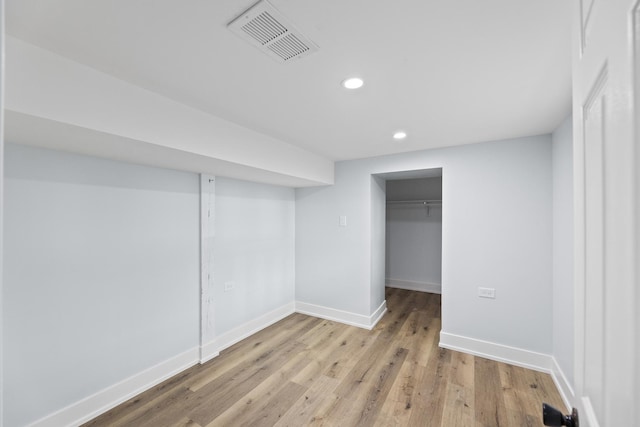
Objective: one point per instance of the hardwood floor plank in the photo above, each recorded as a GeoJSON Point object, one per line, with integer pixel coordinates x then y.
{"type": "Point", "coordinates": [221, 393]}
{"type": "Point", "coordinates": [342, 361]}
{"type": "Point", "coordinates": [142, 400]}
{"type": "Point", "coordinates": [490, 409]}
{"type": "Point", "coordinates": [186, 422]}
{"type": "Point", "coordinates": [398, 407]}
{"type": "Point", "coordinates": [380, 387]}
{"type": "Point", "coordinates": [304, 411]}
{"type": "Point", "coordinates": [304, 371]}
{"type": "Point", "coordinates": [328, 354]}
{"type": "Point", "coordinates": [418, 340]}
{"type": "Point", "coordinates": [428, 404]}
{"type": "Point", "coordinates": [322, 333]}
{"type": "Point", "coordinates": [460, 400]}
{"type": "Point", "coordinates": [265, 411]}
{"type": "Point", "coordinates": [164, 411]}
{"type": "Point", "coordinates": [257, 396]}
{"type": "Point", "coordinates": [362, 392]}
{"type": "Point", "coordinates": [252, 347]}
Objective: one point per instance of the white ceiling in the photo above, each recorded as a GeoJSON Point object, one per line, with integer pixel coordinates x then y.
{"type": "Point", "coordinates": [447, 72]}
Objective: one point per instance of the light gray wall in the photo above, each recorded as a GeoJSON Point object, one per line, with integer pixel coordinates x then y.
{"type": "Point", "coordinates": [333, 263]}
{"type": "Point", "coordinates": [414, 235]}
{"type": "Point", "coordinates": [563, 247]}
{"type": "Point", "coordinates": [101, 275]}
{"type": "Point", "coordinates": [2, 74]}
{"type": "Point", "coordinates": [254, 247]}
{"type": "Point", "coordinates": [496, 233]}
{"type": "Point", "coordinates": [378, 214]}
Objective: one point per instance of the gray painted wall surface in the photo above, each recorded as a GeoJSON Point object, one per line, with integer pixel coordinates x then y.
{"type": "Point", "coordinates": [563, 248]}
{"type": "Point", "coordinates": [497, 225]}
{"type": "Point", "coordinates": [254, 247]}
{"type": "Point", "coordinates": [378, 216]}
{"type": "Point", "coordinates": [101, 275]}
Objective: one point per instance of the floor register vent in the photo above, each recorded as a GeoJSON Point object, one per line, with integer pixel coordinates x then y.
{"type": "Point", "coordinates": [264, 27]}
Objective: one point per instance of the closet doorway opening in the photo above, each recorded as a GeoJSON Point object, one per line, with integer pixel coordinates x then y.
{"type": "Point", "coordinates": [413, 230]}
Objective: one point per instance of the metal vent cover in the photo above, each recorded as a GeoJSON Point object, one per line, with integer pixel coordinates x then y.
{"type": "Point", "coordinates": [266, 28]}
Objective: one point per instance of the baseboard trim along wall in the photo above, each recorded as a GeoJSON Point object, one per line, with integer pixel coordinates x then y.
{"type": "Point", "coordinates": [346, 317]}
{"type": "Point", "coordinates": [498, 352]}
{"type": "Point", "coordinates": [100, 402]}
{"type": "Point", "coordinates": [208, 351]}
{"type": "Point", "coordinates": [513, 356]}
{"type": "Point", "coordinates": [377, 315]}
{"type": "Point", "coordinates": [237, 334]}
{"type": "Point", "coordinates": [433, 288]}
{"type": "Point", "coordinates": [562, 384]}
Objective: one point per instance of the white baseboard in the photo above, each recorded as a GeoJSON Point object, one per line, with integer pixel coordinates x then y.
{"type": "Point", "coordinates": [211, 349]}
{"type": "Point", "coordinates": [110, 397]}
{"type": "Point", "coordinates": [346, 317]}
{"type": "Point", "coordinates": [433, 288]}
{"type": "Point", "coordinates": [513, 356]}
{"type": "Point", "coordinates": [498, 352]}
{"type": "Point", "coordinates": [562, 384]}
{"type": "Point", "coordinates": [98, 403]}
{"type": "Point", "coordinates": [208, 351]}
{"type": "Point", "coordinates": [377, 315]}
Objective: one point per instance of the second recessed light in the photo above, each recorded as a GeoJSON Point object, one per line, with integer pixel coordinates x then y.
{"type": "Point", "coordinates": [353, 83]}
{"type": "Point", "coordinates": [400, 135]}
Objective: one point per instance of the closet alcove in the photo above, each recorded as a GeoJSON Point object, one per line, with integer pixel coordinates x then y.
{"type": "Point", "coordinates": [413, 248]}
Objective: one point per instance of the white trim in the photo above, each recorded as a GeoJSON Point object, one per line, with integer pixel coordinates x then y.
{"type": "Point", "coordinates": [501, 353]}
{"type": "Point", "coordinates": [433, 288]}
{"type": "Point", "coordinates": [588, 415]}
{"type": "Point", "coordinates": [208, 351]}
{"type": "Point", "coordinates": [110, 397]}
{"type": "Point", "coordinates": [207, 233]}
{"type": "Point", "coordinates": [2, 92]}
{"type": "Point", "coordinates": [377, 315]}
{"type": "Point", "coordinates": [237, 334]}
{"type": "Point", "coordinates": [562, 384]}
{"type": "Point", "coordinates": [346, 317]}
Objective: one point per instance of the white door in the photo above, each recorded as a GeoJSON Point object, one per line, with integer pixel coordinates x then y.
{"type": "Point", "coordinates": [607, 167]}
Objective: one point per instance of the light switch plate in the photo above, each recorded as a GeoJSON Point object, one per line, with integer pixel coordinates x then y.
{"type": "Point", "coordinates": [487, 293]}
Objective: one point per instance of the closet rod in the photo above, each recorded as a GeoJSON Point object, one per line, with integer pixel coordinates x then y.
{"type": "Point", "coordinates": [421, 202]}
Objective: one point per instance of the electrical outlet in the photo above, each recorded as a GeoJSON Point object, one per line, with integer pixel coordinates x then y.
{"type": "Point", "coordinates": [342, 221]}
{"type": "Point", "coordinates": [487, 293]}
{"type": "Point", "coordinates": [228, 286]}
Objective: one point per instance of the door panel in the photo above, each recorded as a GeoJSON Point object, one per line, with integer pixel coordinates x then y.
{"type": "Point", "coordinates": [607, 212]}
{"type": "Point", "coordinates": [594, 141]}
{"type": "Point", "coordinates": [586, 8]}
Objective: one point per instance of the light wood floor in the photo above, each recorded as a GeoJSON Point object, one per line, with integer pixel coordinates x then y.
{"type": "Point", "coordinates": [308, 371]}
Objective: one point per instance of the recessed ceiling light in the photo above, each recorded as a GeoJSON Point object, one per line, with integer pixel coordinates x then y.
{"type": "Point", "coordinates": [353, 83]}
{"type": "Point", "coordinates": [400, 135]}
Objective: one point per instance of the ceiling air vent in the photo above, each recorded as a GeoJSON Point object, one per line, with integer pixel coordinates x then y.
{"type": "Point", "coordinates": [263, 26]}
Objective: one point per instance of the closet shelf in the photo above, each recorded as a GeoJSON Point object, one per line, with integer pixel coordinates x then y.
{"type": "Point", "coordinates": [415, 202]}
